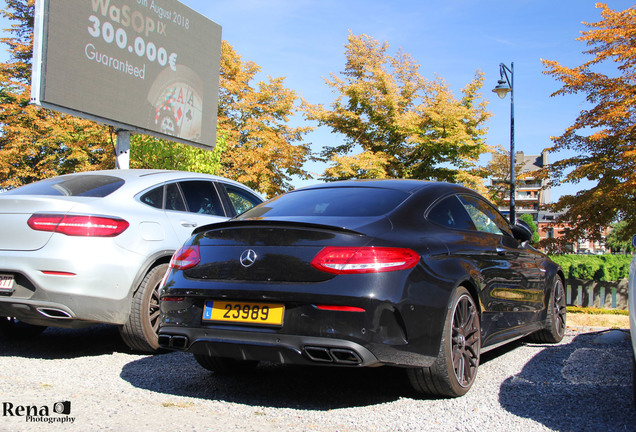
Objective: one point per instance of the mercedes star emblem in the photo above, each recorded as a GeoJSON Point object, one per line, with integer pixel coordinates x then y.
{"type": "Point", "coordinates": [247, 258]}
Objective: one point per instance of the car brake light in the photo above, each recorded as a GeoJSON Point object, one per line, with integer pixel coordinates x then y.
{"type": "Point", "coordinates": [185, 258]}
{"type": "Point", "coordinates": [172, 299]}
{"type": "Point", "coordinates": [57, 273]}
{"type": "Point", "coordinates": [340, 308]}
{"type": "Point", "coordinates": [351, 260]}
{"type": "Point", "coordinates": [78, 225]}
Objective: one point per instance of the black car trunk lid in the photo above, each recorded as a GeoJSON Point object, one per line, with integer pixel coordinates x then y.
{"type": "Point", "coordinates": [268, 251]}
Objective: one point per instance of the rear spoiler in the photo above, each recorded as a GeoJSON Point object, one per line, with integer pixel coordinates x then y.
{"type": "Point", "coordinates": [252, 223]}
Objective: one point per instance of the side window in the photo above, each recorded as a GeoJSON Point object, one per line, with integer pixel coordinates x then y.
{"type": "Point", "coordinates": [174, 200]}
{"type": "Point", "coordinates": [450, 213]}
{"type": "Point", "coordinates": [201, 197]}
{"type": "Point", "coordinates": [153, 198]}
{"type": "Point", "coordinates": [485, 217]}
{"type": "Point", "coordinates": [241, 200]}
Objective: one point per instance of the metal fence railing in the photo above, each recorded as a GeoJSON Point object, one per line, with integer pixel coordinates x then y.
{"type": "Point", "coordinates": [598, 294]}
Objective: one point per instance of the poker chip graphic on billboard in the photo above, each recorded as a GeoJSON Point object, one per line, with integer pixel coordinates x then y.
{"type": "Point", "coordinates": [177, 102]}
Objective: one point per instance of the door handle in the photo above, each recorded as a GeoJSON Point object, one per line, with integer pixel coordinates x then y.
{"type": "Point", "coordinates": [188, 224]}
{"type": "Point", "coordinates": [501, 251]}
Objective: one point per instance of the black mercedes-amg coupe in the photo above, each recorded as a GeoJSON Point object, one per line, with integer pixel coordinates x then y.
{"type": "Point", "coordinates": [414, 274]}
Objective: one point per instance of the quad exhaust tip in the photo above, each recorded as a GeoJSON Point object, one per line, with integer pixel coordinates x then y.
{"type": "Point", "coordinates": [343, 356]}
{"type": "Point", "coordinates": [333, 355]}
{"type": "Point", "coordinates": [173, 341]}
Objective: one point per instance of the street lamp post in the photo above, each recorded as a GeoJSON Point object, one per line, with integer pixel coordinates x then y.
{"type": "Point", "coordinates": [505, 85]}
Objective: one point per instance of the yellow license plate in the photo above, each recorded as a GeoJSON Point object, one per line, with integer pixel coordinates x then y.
{"type": "Point", "coordinates": [243, 312]}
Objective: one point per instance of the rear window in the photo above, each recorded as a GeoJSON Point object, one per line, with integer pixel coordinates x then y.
{"type": "Point", "coordinates": [77, 185]}
{"type": "Point", "coordinates": [347, 202]}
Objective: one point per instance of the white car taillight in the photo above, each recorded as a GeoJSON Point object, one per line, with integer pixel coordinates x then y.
{"type": "Point", "coordinates": [78, 225]}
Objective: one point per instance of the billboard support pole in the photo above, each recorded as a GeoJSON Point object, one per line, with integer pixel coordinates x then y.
{"type": "Point", "coordinates": [122, 149]}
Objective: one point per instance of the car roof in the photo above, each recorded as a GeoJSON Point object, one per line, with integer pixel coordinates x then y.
{"type": "Point", "coordinates": [404, 185]}
{"type": "Point", "coordinates": [127, 174]}
{"type": "Point", "coordinates": [141, 177]}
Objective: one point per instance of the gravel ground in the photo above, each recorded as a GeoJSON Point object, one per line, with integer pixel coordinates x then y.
{"type": "Point", "coordinates": [582, 384]}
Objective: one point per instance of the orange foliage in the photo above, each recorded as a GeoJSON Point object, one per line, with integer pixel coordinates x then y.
{"type": "Point", "coordinates": [36, 143]}
{"type": "Point", "coordinates": [603, 135]}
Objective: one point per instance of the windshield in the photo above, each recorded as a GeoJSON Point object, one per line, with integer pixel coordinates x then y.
{"type": "Point", "coordinates": [336, 201]}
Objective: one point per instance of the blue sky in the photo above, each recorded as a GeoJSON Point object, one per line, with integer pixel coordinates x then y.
{"type": "Point", "coordinates": [303, 41]}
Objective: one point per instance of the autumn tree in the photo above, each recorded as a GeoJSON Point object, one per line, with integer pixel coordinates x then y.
{"type": "Point", "coordinates": [400, 124]}
{"type": "Point", "coordinates": [36, 143]}
{"type": "Point", "coordinates": [498, 170]}
{"type": "Point", "coordinates": [263, 151]}
{"type": "Point", "coordinates": [602, 137]}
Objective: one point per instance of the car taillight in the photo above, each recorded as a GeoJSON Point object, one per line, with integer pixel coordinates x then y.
{"type": "Point", "coordinates": [338, 308]}
{"type": "Point", "coordinates": [185, 258]}
{"type": "Point", "coordinates": [78, 225]}
{"type": "Point", "coordinates": [347, 260]}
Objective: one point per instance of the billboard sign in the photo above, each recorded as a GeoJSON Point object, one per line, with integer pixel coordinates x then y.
{"type": "Point", "coordinates": [150, 66]}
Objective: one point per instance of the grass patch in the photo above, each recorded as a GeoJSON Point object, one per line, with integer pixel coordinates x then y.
{"type": "Point", "coordinates": [596, 311]}
{"type": "Point", "coordinates": [596, 317]}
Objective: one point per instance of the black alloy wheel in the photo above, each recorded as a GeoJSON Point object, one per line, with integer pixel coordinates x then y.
{"type": "Point", "coordinates": [455, 369]}
{"type": "Point", "coordinates": [559, 309]}
{"type": "Point", "coordinates": [555, 321]}
{"type": "Point", "coordinates": [465, 341]}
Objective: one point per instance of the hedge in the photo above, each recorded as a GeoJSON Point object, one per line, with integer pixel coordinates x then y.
{"type": "Point", "coordinates": [607, 268]}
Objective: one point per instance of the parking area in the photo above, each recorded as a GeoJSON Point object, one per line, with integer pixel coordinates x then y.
{"type": "Point", "coordinates": [583, 383]}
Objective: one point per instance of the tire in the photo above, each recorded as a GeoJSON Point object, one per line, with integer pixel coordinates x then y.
{"type": "Point", "coordinates": [13, 328]}
{"type": "Point", "coordinates": [455, 369]}
{"type": "Point", "coordinates": [634, 379]}
{"type": "Point", "coordinates": [555, 320]}
{"type": "Point", "coordinates": [225, 365]}
{"type": "Point", "coordinates": [140, 332]}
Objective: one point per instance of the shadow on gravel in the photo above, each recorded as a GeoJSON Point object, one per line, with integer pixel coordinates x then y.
{"type": "Point", "coordinates": [58, 343]}
{"type": "Point", "coordinates": [591, 377]}
{"type": "Point", "coordinates": [277, 386]}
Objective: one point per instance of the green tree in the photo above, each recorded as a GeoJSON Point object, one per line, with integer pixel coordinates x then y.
{"type": "Point", "coordinates": [403, 125]}
{"type": "Point", "coordinates": [602, 137]}
{"type": "Point", "coordinates": [151, 152]}
{"type": "Point", "coordinates": [36, 143]}
{"type": "Point", "coordinates": [620, 239]}
{"type": "Point", "coordinates": [527, 218]}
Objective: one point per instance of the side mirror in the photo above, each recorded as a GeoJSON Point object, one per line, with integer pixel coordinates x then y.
{"type": "Point", "coordinates": [522, 231]}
